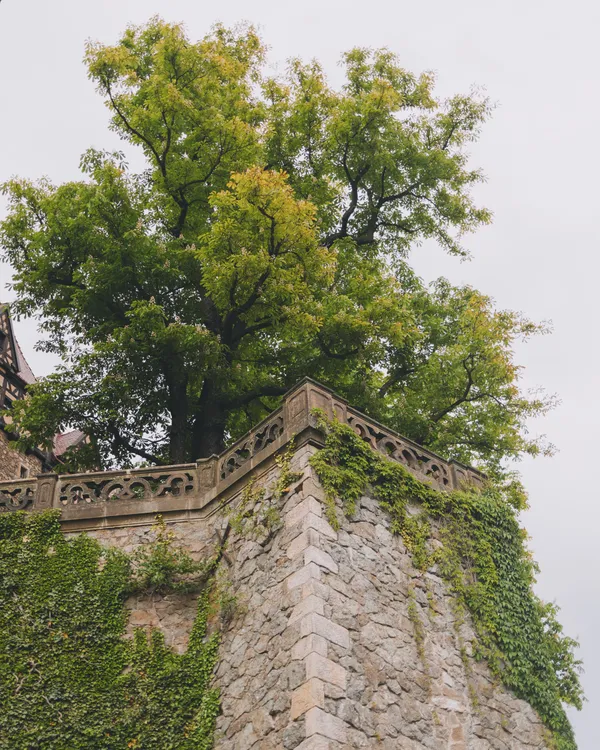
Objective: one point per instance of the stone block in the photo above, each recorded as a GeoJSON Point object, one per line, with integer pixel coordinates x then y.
{"type": "Point", "coordinates": [312, 603]}
{"type": "Point", "coordinates": [307, 696]}
{"type": "Point", "coordinates": [310, 572]}
{"type": "Point", "coordinates": [309, 644]}
{"type": "Point", "coordinates": [311, 486]}
{"type": "Point", "coordinates": [449, 704]}
{"type": "Point", "coordinates": [316, 522]}
{"type": "Point", "coordinates": [320, 722]}
{"type": "Point", "coordinates": [325, 669]}
{"type": "Point", "coordinates": [315, 623]}
{"type": "Point", "coordinates": [307, 506]}
{"type": "Point", "coordinates": [458, 734]}
{"type": "Point", "coordinates": [320, 557]}
{"type": "Point", "coordinates": [299, 545]}
{"type": "Point", "coordinates": [317, 742]}
{"type": "Point", "coordinates": [301, 541]}
{"type": "Point", "coordinates": [317, 588]}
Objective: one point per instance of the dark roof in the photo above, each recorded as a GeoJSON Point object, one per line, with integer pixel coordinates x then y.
{"type": "Point", "coordinates": [23, 370]}
{"type": "Point", "coordinates": [64, 441]}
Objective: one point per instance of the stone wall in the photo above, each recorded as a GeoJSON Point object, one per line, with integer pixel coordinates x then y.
{"type": "Point", "coordinates": [325, 651]}
{"type": "Point", "coordinates": [11, 461]}
{"type": "Point", "coordinates": [173, 614]}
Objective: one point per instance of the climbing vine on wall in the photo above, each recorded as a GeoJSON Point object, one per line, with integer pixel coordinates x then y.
{"type": "Point", "coordinates": [68, 678]}
{"type": "Point", "coordinates": [483, 557]}
{"type": "Point", "coordinates": [257, 514]}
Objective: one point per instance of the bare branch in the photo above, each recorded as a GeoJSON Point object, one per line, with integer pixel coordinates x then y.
{"type": "Point", "coordinates": [118, 441]}
{"type": "Point", "coordinates": [246, 398]}
{"type": "Point", "coordinates": [334, 355]}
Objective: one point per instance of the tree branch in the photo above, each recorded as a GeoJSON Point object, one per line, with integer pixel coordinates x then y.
{"type": "Point", "coordinates": [133, 130]}
{"type": "Point", "coordinates": [347, 215]}
{"type": "Point", "coordinates": [465, 396]}
{"type": "Point", "coordinates": [396, 196]}
{"type": "Point", "coordinates": [119, 441]}
{"type": "Point", "coordinates": [246, 398]}
{"type": "Point", "coordinates": [333, 355]}
{"type": "Point", "coordinates": [234, 314]}
{"type": "Point", "coordinates": [394, 380]}
{"type": "Point", "coordinates": [239, 332]}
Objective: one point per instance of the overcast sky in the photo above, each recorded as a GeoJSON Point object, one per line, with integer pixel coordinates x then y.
{"type": "Point", "coordinates": [539, 60]}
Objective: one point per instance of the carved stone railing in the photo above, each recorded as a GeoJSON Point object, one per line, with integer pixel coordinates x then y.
{"type": "Point", "coordinates": [17, 495]}
{"type": "Point", "coordinates": [427, 465]}
{"type": "Point", "coordinates": [109, 487]}
{"type": "Point", "coordinates": [267, 433]}
{"type": "Point", "coordinates": [98, 498]}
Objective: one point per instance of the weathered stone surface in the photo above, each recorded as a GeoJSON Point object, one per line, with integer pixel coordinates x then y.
{"type": "Point", "coordinates": [325, 669]}
{"type": "Point", "coordinates": [321, 652]}
{"type": "Point", "coordinates": [326, 724]}
{"type": "Point", "coordinates": [309, 695]}
{"type": "Point", "coordinates": [14, 464]}
{"type": "Point", "coordinates": [314, 554]}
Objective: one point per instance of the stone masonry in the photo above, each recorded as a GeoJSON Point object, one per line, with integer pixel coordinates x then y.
{"type": "Point", "coordinates": [336, 640]}
{"type": "Point", "coordinates": [14, 464]}
{"type": "Point", "coordinates": [322, 653]}
{"type": "Point", "coordinates": [325, 654]}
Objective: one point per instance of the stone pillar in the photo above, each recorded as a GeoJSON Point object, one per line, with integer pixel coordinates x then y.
{"type": "Point", "coordinates": [317, 631]}
{"type": "Point", "coordinates": [277, 674]}
{"type": "Point", "coordinates": [45, 493]}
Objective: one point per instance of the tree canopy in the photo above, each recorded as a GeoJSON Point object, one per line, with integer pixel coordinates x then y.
{"type": "Point", "coordinates": [267, 238]}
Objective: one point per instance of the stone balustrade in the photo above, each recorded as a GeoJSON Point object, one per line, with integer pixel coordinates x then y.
{"type": "Point", "coordinates": [95, 499]}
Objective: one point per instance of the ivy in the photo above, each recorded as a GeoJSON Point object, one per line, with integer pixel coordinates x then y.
{"type": "Point", "coordinates": [414, 617]}
{"type": "Point", "coordinates": [257, 514]}
{"type": "Point", "coordinates": [162, 566]}
{"type": "Point", "coordinates": [68, 678]}
{"type": "Point", "coordinates": [481, 553]}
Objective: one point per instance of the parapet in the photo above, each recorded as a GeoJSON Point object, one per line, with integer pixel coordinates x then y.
{"type": "Point", "coordinates": [124, 497]}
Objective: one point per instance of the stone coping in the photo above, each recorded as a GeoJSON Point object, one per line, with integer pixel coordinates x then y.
{"type": "Point", "coordinates": [97, 499]}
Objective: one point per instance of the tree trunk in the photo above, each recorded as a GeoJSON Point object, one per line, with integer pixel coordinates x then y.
{"type": "Point", "coordinates": [178, 406]}
{"type": "Point", "coordinates": [208, 431]}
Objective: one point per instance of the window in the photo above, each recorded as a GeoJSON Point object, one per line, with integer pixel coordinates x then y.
{"type": "Point", "coordinates": [24, 472]}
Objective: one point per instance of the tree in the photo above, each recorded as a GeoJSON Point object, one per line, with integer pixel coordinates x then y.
{"type": "Point", "coordinates": [267, 239]}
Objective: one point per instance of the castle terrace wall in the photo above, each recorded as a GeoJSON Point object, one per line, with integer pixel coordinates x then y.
{"type": "Point", "coordinates": [325, 655]}
{"type": "Point", "coordinates": [322, 652]}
